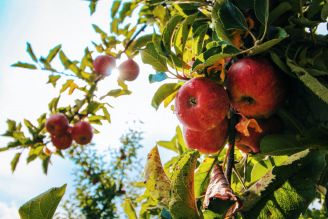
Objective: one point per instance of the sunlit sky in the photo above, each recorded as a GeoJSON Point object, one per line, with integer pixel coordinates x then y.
{"type": "Point", "coordinates": [25, 94]}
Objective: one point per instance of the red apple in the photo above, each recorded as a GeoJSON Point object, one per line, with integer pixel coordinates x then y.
{"type": "Point", "coordinates": [129, 70]}
{"type": "Point", "coordinates": [201, 104]}
{"type": "Point", "coordinates": [63, 141]}
{"type": "Point", "coordinates": [255, 87]}
{"type": "Point", "coordinates": [82, 132]}
{"type": "Point", "coordinates": [207, 142]}
{"type": "Point", "coordinates": [104, 64]}
{"type": "Point", "coordinates": [251, 143]}
{"type": "Point", "coordinates": [57, 124]}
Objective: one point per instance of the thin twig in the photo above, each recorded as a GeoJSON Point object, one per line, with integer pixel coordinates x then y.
{"type": "Point", "coordinates": [134, 37]}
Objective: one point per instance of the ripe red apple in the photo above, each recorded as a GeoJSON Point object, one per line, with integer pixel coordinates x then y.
{"type": "Point", "coordinates": [201, 104]}
{"type": "Point", "coordinates": [255, 87]}
{"type": "Point", "coordinates": [82, 132]}
{"type": "Point", "coordinates": [57, 124]}
{"type": "Point", "coordinates": [104, 64]}
{"type": "Point", "coordinates": [63, 141]}
{"type": "Point", "coordinates": [207, 142]}
{"type": "Point", "coordinates": [129, 70]}
{"type": "Point", "coordinates": [251, 143]}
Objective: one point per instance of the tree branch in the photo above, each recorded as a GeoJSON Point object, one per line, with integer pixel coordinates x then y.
{"type": "Point", "coordinates": [231, 139]}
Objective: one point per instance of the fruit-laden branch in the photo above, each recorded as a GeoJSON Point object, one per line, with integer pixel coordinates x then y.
{"type": "Point", "coordinates": [231, 139]}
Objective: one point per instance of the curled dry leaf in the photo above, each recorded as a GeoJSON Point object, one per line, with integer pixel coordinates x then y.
{"type": "Point", "coordinates": [245, 124]}
{"type": "Point", "coordinates": [219, 187]}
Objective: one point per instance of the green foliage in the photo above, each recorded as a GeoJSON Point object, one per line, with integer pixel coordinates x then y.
{"type": "Point", "coordinates": [183, 202]}
{"type": "Point", "coordinates": [163, 92]}
{"type": "Point", "coordinates": [44, 205]}
{"type": "Point", "coordinates": [190, 39]}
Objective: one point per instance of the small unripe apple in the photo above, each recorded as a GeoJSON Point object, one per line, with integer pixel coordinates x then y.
{"type": "Point", "coordinates": [82, 132]}
{"type": "Point", "coordinates": [104, 64]}
{"type": "Point", "coordinates": [201, 104]}
{"type": "Point", "coordinates": [251, 143]}
{"type": "Point", "coordinates": [256, 89]}
{"type": "Point", "coordinates": [57, 124]}
{"type": "Point", "coordinates": [207, 142]}
{"type": "Point", "coordinates": [129, 70]}
{"type": "Point", "coordinates": [63, 141]}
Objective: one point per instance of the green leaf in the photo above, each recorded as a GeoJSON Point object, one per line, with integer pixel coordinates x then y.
{"type": "Point", "coordinates": [29, 50]}
{"type": "Point", "coordinates": [170, 145]}
{"type": "Point", "coordinates": [158, 77]}
{"type": "Point", "coordinates": [92, 6]}
{"type": "Point", "coordinates": [70, 84]}
{"type": "Point", "coordinates": [15, 161]}
{"type": "Point", "coordinates": [280, 145]}
{"type": "Point", "coordinates": [309, 81]}
{"type": "Point", "coordinates": [273, 178]}
{"type": "Point", "coordinates": [324, 11]}
{"type": "Point", "coordinates": [221, 32]}
{"type": "Point", "coordinates": [278, 11]}
{"type": "Point", "coordinates": [157, 183]}
{"type": "Point", "coordinates": [183, 202]}
{"type": "Point", "coordinates": [219, 51]}
{"type": "Point", "coordinates": [286, 196]}
{"type": "Point", "coordinates": [24, 65]}
{"type": "Point", "coordinates": [106, 114]}
{"type": "Point", "coordinates": [53, 79]}
{"type": "Point", "coordinates": [129, 209]}
{"type": "Point", "coordinates": [199, 35]}
{"type": "Point", "coordinates": [182, 34]}
{"type": "Point", "coordinates": [282, 65]}
{"type": "Point", "coordinates": [99, 30]}
{"type": "Point", "coordinates": [116, 93]}
{"type": "Point", "coordinates": [44, 205]}
{"type": "Point", "coordinates": [150, 56]}
{"type": "Point", "coordinates": [52, 54]}
{"type": "Point", "coordinates": [53, 104]}
{"type": "Point", "coordinates": [231, 17]}
{"type": "Point", "coordinates": [115, 6]}
{"type": "Point", "coordinates": [202, 175]}
{"type": "Point", "coordinates": [288, 144]}
{"type": "Point", "coordinates": [281, 35]}
{"type": "Point", "coordinates": [45, 165]}
{"type": "Point", "coordinates": [31, 128]}
{"type": "Point", "coordinates": [169, 30]}
{"type": "Point", "coordinates": [168, 166]}
{"type": "Point", "coordinates": [181, 144]}
{"type": "Point", "coordinates": [163, 92]}
{"type": "Point", "coordinates": [68, 64]}
{"type": "Point", "coordinates": [261, 9]}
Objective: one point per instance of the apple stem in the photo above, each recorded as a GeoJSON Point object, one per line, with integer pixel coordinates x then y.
{"type": "Point", "coordinates": [231, 139]}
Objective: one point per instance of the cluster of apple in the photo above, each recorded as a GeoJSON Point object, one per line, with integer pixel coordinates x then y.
{"type": "Point", "coordinates": [254, 89]}
{"type": "Point", "coordinates": [104, 64]}
{"type": "Point", "coordinates": [62, 134]}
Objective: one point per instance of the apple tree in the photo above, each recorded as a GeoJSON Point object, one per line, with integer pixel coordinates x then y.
{"type": "Point", "coordinates": [246, 79]}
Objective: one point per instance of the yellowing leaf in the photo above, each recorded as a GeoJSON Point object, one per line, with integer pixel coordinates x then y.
{"type": "Point", "coordinates": [183, 202]}
{"type": "Point", "coordinates": [157, 183]}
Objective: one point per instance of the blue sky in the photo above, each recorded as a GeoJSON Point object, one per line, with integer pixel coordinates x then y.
{"type": "Point", "coordinates": [25, 94]}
